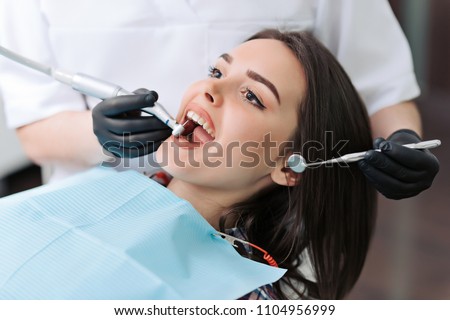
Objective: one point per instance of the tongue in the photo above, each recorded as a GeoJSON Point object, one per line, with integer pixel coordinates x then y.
{"type": "Point", "coordinates": [200, 135]}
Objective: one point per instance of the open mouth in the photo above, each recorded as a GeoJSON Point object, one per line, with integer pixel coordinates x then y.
{"type": "Point", "coordinates": [197, 130]}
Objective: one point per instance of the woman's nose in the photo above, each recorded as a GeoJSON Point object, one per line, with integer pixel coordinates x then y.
{"type": "Point", "coordinates": [209, 97]}
{"type": "Point", "coordinates": [213, 93]}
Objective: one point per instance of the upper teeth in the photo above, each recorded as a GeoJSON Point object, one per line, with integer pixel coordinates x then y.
{"type": "Point", "coordinates": [196, 118]}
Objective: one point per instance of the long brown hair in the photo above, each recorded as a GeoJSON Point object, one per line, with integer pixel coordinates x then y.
{"type": "Point", "coordinates": [329, 216]}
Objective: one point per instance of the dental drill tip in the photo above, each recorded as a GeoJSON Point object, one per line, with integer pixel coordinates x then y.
{"type": "Point", "coordinates": [178, 130]}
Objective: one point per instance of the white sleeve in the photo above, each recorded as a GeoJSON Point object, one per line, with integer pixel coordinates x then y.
{"type": "Point", "coordinates": [29, 95]}
{"type": "Point", "coordinates": [368, 41]}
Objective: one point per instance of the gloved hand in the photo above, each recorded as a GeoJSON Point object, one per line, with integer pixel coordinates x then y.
{"type": "Point", "coordinates": [122, 130]}
{"type": "Point", "coordinates": [399, 172]}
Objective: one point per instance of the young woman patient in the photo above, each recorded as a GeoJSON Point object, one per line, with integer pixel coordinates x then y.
{"type": "Point", "coordinates": [275, 94]}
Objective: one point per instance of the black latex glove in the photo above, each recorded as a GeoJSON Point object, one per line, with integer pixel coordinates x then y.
{"type": "Point", "coordinates": [122, 130]}
{"type": "Point", "coordinates": [399, 172]}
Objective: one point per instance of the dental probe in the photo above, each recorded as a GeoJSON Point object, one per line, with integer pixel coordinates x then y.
{"type": "Point", "coordinates": [93, 87]}
{"type": "Point", "coordinates": [298, 164]}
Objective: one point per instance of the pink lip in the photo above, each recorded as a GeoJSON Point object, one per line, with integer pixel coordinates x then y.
{"type": "Point", "coordinates": [201, 112]}
{"type": "Point", "coordinates": [183, 143]}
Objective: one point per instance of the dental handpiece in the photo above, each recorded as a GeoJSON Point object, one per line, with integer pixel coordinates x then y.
{"type": "Point", "coordinates": [298, 164]}
{"type": "Point", "coordinates": [93, 87]}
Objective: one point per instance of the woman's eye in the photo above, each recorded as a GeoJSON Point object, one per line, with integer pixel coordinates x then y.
{"type": "Point", "coordinates": [251, 97]}
{"type": "Point", "coordinates": [214, 73]}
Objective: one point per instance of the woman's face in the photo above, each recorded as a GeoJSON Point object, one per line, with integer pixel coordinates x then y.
{"type": "Point", "coordinates": [250, 104]}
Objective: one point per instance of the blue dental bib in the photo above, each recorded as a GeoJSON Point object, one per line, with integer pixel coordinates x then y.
{"type": "Point", "coordinates": [109, 235]}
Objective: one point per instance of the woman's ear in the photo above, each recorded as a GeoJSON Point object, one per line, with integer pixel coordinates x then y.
{"type": "Point", "coordinates": [284, 176]}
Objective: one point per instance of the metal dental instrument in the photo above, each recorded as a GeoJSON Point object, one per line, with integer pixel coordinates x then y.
{"type": "Point", "coordinates": [298, 164]}
{"type": "Point", "coordinates": [93, 87]}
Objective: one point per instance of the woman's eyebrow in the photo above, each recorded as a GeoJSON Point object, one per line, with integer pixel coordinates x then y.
{"type": "Point", "coordinates": [226, 57]}
{"type": "Point", "coordinates": [257, 77]}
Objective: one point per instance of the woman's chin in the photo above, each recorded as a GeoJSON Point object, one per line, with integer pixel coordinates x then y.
{"type": "Point", "coordinates": [175, 158]}
{"type": "Point", "coordinates": [159, 154]}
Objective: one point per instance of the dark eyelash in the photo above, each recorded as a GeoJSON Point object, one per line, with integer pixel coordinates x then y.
{"type": "Point", "coordinates": [257, 104]}
{"type": "Point", "coordinates": [212, 70]}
